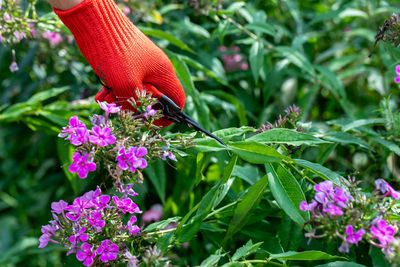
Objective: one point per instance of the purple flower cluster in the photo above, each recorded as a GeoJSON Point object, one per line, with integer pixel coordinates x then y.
{"type": "Point", "coordinates": [397, 79]}
{"type": "Point", "coordinates": [132, 158]}
{"type": "Point", "coordinates": [233, 60]}
{"type": "Point", "coordinates": [328, 199]}
{"type": "Point", "coordinates": [87, 227]}
{"type": "Point", "coordinates": [79, 135]}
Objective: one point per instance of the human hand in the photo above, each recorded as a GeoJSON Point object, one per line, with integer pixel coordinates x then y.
{"type": "Point", "coordinates": [121, 55]}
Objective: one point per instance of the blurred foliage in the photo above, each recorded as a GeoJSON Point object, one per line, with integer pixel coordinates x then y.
{"type": "Point", "coordinates": [314, 54]}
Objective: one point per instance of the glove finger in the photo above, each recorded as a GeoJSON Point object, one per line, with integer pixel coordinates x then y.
{"type": "Point", "coordinates": [105, 95]}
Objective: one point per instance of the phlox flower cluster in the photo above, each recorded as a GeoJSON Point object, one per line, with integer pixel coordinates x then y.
{"type": "Point", "coordinates": [353, 217]}
{"type": "Point", "coordinates": [93, 227]}
{"type": "Point", "coordinates": [110, 143]}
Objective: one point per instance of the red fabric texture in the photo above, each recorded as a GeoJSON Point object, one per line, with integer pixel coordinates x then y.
{"type": "Point", "coordinates": [120, 54]}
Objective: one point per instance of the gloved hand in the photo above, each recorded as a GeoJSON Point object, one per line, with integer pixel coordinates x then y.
{"type": "Point", "coordinates": [120, 54]}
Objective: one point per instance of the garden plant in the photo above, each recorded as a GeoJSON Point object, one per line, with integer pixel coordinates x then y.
{"type": "Point", "coordinates": [267, 133]}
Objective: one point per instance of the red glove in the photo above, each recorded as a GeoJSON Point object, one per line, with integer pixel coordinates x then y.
{"type": "Point", "coordinates": [120, 54]}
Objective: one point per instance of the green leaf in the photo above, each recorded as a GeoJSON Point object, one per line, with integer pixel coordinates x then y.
{"type": "Point", "coordinates": [164, 241]}
{"type": "Point", "coordinates": [228, 133]}
{"type": "Point", "coordinates": [166, 36]}
{"type": "Point", "coordinates": [41, 96]}
{"type": "Point", "coordinates": [245, 207]}
{"type": "Point", "coordinates": [321, 171]}
{"type": "Point", "coordinates": [345, 138]}
{"type": "Point", "coordinates": [15, 112]}
{"type": "Point", "coordinates": [286, 136]}
{"type": "Point", "coordinates": [304, 256]}
{"type": "Point", "coordinates": [161, 224]}
{"type": "Point", "coordinates": [261, 27]}
{"type": "Point", "coordinates": [213, 259]}
{"type": "Point", "coordinates": [296, 58]}
{"type": "Point", "coordinates": [363, 122]}
{"type": "Point", "coordinates": [256, 58]}
{"type": "Point", "coordinates": [341, 264]}
{"type": "Point", "coordinates": [331, 81]}
{"type": "Point", "coordinates": [157, 175]}
{"type": "Point", "coordinates": [287, 192]}
{"type": "Point", "coordinates": [246, 250]}
{"type": "Point", "coordinates": [389, 145]}
{"type": "Point", "coordinates": [65, 152]}
{"type": "Point", "coordinates": [257, 153]}
{"type": "Point", "coordinates": [207, 145]}
{"type": "Point", "coordinates": [248, 173]}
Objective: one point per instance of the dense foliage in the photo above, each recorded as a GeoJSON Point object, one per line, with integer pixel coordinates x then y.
{"type": "Point", "coordinates": [305, 99]}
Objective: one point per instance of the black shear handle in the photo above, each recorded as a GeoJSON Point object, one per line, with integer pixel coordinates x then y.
{"type": "Point", "coordinates": [179, 116]}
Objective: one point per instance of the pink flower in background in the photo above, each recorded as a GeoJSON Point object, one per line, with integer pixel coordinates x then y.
{"type": "Point", "coordinates": [354, 237]}
{"type": "Point", "coordinates": [385, 187]}
{"type": "Point", "coordinates": [126, 10]}
{"type": "Point", "coordinates": [82, 165]}
{"type": "Point", "coordinates": [132, 228]}
{"type": "Point", "coordinates": [233, 60]}
{"type": "Point", "coordinates": [14, 67]}
{"type": "Point", "coordinates": [383, 232]}
{"type": "Point", "coordinates": [397, 79]}
{"type": "Point", "coordinates": [169, 155]}
{"type": "Point", "coordinates": [153, 214]}
{"type": "Point", "coordinates": [32, 29]}
{"type": "Point", "coordinates": [53, 37]}
{"type": "Point", "coordinates": [1, 38]}
{"type": "Point", "coordinates": [149, 112]}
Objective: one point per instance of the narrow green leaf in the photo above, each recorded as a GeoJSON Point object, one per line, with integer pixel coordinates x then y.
{"type": "Point", "coordinates": [213, 259]}
{"type": "Point", "coordinates": [257, 153]}
{"type": "Point", "coordinates": [346, 138]}
{"type": "Point", "coordinates": [164, 241]}
{"type": "Point", "coordinates": [157, 175]}
{"type": "Point", "coordinates": [228, 133]}
{"type": "Point", "coordinates": [363, 122]}
{"type": "Point", "coordinates": [321, 171]}
{"type": "Point", "coordinates": [245, 207]}
{"type": "Point", "coordinates": [256, 58]}
{"type": "Point", "coordinates": [41, 96]}
{"type": "Point", "coordinates": [261, 27]}
{"type": "Point", "coordinates": [246, 250]}
{"type": "Point", "coordinates": [341, 264]}
{"type": "Point", "coordinates": [296, 58]}
{"type": "Point", "coordinates": [286, 136]}
{"type": "Point", "coordinates": [389, 145]}
{"type": "Point", "coordinates": [65, 152]}
{"type": "Point", "coordinates": [207, 145]}
{"type": "Point", "coordinates": [304, 256]}
{"type": "Point", "coordinates": [331, 81]}
{"type": "Point", "coordinates": [161, 224]}
{"type": "Point", "coordinates": [287, 192]}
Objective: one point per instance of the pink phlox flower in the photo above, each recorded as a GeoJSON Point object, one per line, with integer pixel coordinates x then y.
{"type": "Point", "coordinates": [344, 247]}
{"type": "Point", "coordinates": [82, 165]}
{"type": "Point", "coordinates": [168, 154]}
{"type": "Point", "coordinates": [101, 202]}
{"type": "Point", "coordinates": [53, 37]}
{"type": "Point", "coordinates": [107, 251]}
{"type": "Point", "coordinates": [150, 112]}
{"type": "Point", "coordinates": [340, 197]}
{"type": "Point", "coordinates": [32, 30]}
{"type": "Point", "coordinates": [304, 206]}
{"type": "Point", "coordinates": [123, 158]}
{"type": "Point", "coordinates": [14, 67]}
{"type": "Point", "coordinates": [1, 38]}
{"type": "Point", "coordinates": [92, 194]}
{"type": "Point", "coordinates": [102, 136]}
{"type": "Point", "coordinates": [153, 214]}
{"type": "Point", "coordinates": [86, 254]}
{"type": "Point", "coordinates": [80, 136]}
{"type": "Point", "coordinates": [132, 228]}
{"type": "Point", "coordinates": [127, 190]}
{"type": "Point", "coordinates": [78, 207]}
{"type": "Point", "coordinates": [59, 207]}
{"type": "Point", "coordinates": [333, 210]}
{"type": "Point", "coordinates": [19, 35]}
{"type": "Point", "coordinates": [109, 108]}
{"type": "Point", "coordinates": [397, 79]}
{"type": "Point", "coordinates": [354, 237]}
{"type": "Point", "coordinates": [48, 231]}
{"type": "Point", "coordinates": [325, 187]}
{"type": "Point", "coordinates": [94, 218]}
{"type": "Point", "coordinates": [383, 232]}
{"type": "Point", "coordinates": [80, 236]}
{"type": "Point", "coordinates": [98, 120]}
{"type": "Point", "coordinates": [126, 205]}
{"type": "Point", "coordinates": [386, 189]}
{"type": "Point", "coordinates": [132, 260]}
{"type": "Point", "coordinates": [136, 160]}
